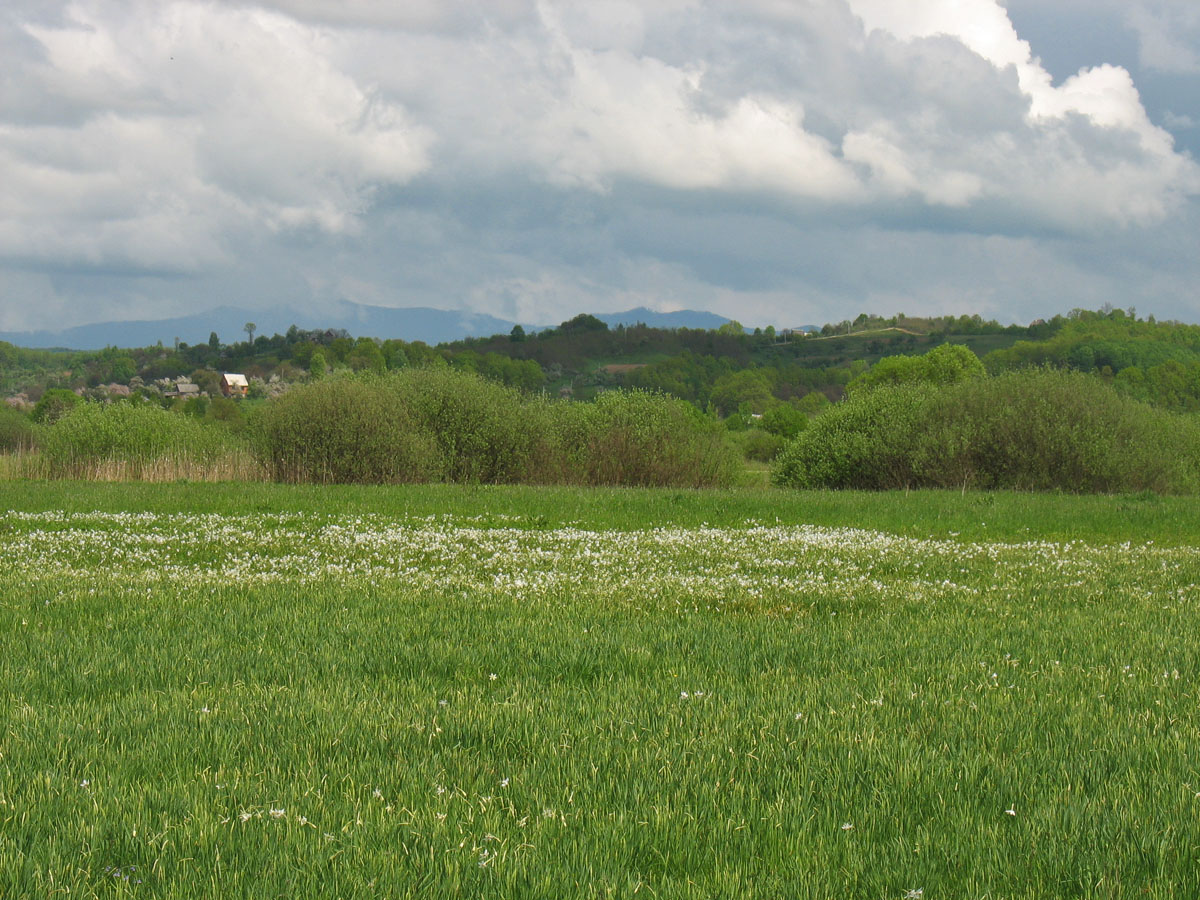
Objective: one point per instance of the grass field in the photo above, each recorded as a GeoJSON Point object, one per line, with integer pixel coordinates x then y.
{"type": "Point", "coordinates": [264, 691]}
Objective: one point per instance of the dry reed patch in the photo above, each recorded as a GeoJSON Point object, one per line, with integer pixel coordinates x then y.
{"type": "Point", "coordinates": [237, 466]}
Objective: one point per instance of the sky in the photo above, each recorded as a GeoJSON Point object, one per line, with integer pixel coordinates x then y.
{"type": "Point", "coordinates": [781, 162]}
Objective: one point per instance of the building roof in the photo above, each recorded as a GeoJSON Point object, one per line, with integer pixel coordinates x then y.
{"type": "Point", "coordinates": [235, 380]}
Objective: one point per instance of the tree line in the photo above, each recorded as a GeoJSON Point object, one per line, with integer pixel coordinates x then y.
{"type": "Point", "coordinates": [797, 401]}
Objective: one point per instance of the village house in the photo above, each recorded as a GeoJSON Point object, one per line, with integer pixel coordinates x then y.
{"type": "Point", "coordinates": [184, 389]}
{"type": "Point", "coordinates": [234, 385]}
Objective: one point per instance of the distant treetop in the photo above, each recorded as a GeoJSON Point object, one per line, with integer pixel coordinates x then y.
{"type": "Point", "coordinates": [583, 322]}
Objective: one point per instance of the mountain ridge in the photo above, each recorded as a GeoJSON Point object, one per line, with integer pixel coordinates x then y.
{"type": "Point", "coordinates": [420, 323]}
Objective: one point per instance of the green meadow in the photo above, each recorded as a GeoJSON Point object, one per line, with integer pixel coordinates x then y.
{"type": "Point", "coordinates": [259, 691]}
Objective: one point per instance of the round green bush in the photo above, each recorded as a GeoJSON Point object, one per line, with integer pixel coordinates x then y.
{"type": "Point", "coordinates": [784, 420]}
{"type": "Point", "coordinates": [54, 404]}
{"type": "Point", "coordinates": [760, 445]}
{"type": "Point", "coordinates": [864, 442]}
{"type": "Point", "coordinates": [1035, 429]}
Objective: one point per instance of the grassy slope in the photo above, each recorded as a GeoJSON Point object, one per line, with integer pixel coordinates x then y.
{"type": "Point", "coordinates": [871, 346]}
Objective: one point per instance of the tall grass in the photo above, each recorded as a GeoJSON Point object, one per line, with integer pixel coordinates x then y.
{"type": "Point", "coordinates": [131, 441]}
{"type": "Point", "coordinates": [239, 464]}
{"type": "Point", "coordinates": [16, 430]}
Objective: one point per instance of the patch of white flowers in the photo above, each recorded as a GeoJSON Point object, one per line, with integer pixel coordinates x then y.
{"type": "Point", "coordinates": [771, 566]}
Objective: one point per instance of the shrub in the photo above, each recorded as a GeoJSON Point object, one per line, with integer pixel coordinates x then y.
{"type": "Point", "coordinates": [415, 424]}
{"type": "Point", "coordinates": [1026, 430]}
{"type": "Point", "coordinates": [944, 364]}
{"type": "Point", "coordinates": [644, 439]}
{"type": "Point", "coordinates": [760, 445]}
{"type": "Point", "coordinates": [1044, 429]}
{"type": "Point", "coordinates": [479, 426]}
{"type": "Point", "coordinates": [223, 409]}
{"type": "Point", "coordinates": [420, 424]}
{"type": "Point", "coordinates": [864, 442]}
{"type": "Point", "coordinates": [54, 404]}
{"type": "Point", "coordinates": [344, 430]}
{"type": "Point", "coordinates": [784, 420]}
{"type": "Point", "coordinates": [194, 406]}
{"type": "Point", "coordinates": [559, 439]}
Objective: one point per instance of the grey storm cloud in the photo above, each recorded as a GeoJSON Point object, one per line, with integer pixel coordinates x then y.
{"type": "Point", "coordinates": [781, 161]}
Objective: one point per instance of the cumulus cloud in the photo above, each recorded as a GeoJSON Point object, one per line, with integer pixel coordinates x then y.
{"type": "Point", "coordinates": [514, 154]}
{"type": "Point", "coordinates": [633, 117]}
{"type": "Point", "coordinates": [1087, 151]}
{"type": "Point", "coordinates": [852, 105]}
{"type": "Point", "coordinates": [181, 125]}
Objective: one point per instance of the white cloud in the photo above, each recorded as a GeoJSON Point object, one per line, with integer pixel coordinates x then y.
{"type": "Point", "coordinates": [1084, 154]}
{"type": "Point", "coordinates": [246, 117]}
{"type": "Point", "coordinates": [1052, 169]}
{"type": "Point", "coordinates": [1179, 121]}
{"type": "Point", "coordinates": [194, 122]}
{"type": "Point", "coordinates": [624, 116]}
{"type": "Point", "coordinates": [896, 171]}
{"type": "Point", "coordinates": [424, 16]}
{"type": "Point", "coordinates": [1168, 36]}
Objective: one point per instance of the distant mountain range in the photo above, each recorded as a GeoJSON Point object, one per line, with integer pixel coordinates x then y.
{"type": "Point", "coordinates": [433, 326]}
